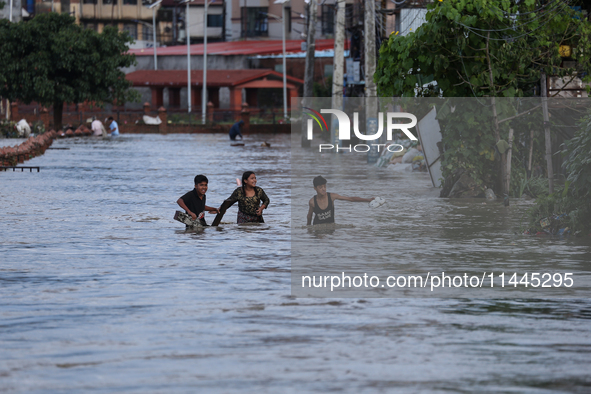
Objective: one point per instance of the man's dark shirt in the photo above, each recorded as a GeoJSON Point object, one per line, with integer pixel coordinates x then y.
{"type": "Point", "coordinates": [195, 204]}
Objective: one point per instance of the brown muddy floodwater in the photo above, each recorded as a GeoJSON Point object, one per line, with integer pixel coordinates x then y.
{"type": "Point", "coordinates": [101, 291]}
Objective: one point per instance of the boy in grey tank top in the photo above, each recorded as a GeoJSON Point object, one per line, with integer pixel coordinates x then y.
{"type": "Point", "coordinates": [321, 206]}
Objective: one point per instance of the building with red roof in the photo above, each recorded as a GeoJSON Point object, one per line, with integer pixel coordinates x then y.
{"type": "Point", "coordinates": [232, 58]}
{"type": "Point", "coordinates": [251, 81]}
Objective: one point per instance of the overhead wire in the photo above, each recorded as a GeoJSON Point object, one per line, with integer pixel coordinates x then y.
{"type": "Point", "coordinates": [529, 12]}
{"type": "Point", "coordinates": [511, 27]}
{"type": "Point", "coordinates": [548, 13]}
{"type": "Point", "coordinates": [511, 38]}
{"type": "Point", "coordinates": [415, 17]}
{"type": "Point", "coordinates": [407, 16]}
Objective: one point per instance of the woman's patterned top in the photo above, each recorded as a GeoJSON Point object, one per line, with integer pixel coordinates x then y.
{"type": "Point", "coordinates": [249, 205]}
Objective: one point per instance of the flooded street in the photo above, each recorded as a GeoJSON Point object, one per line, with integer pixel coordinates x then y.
{"type": "Point", "coordinates": [101, 291]}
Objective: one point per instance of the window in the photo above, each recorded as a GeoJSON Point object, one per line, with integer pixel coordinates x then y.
{"type": "Point", "coordinates": [65, 6]}
{"type": "Point", "coordinates": [254, 22]}
{"type": "Point", "coordinates": [114, 2]}
{"type": "Point", "coordinates": [147, 33]}
{"type": "Point", "coordinates": [164, 15]}
{"type": "Point", "coordinates": [91, 26]}
{"type": "Point", "coordinates": [354, 14]}
{"type": "Point", "coordinates": [215, 20]}
{"type": "Point", "coordinates": [129, 2]}
{"type": "Point", "coordinates": [89, 1]}
{"type": "Point", "coordinates": [131, 29]}
{"type": "Point", "coordinates": [328, 15]}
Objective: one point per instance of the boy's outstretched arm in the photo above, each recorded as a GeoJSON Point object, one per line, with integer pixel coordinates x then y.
{"type": "Point", "coordinates": [211, 209]}
{"type": "Point", "coordinates": [310, 211]}
{"type": "Point", "coordinates": [182, 205]}
{"type": "Point", "coordinates": [352, 199]}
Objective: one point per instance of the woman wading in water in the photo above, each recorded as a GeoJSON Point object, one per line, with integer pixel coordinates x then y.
{"type": "Point", "coordinates": [249, 197]}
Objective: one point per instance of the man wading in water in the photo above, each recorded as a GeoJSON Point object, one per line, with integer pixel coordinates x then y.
{"type": "Point", "coordinates": [322, 204]}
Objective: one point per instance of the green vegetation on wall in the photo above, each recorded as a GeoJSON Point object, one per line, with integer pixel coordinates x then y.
{"type": "Point", "coordinates": [486, 49]}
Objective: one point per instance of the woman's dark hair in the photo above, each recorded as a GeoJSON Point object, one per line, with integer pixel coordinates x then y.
{"type": "Point", "coordinates": [245, 176]}
{"type": "Point", "coordinates": [200, 178]}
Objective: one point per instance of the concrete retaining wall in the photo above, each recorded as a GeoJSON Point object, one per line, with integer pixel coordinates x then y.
{"type": "Point", "coordinates": [34, 146]}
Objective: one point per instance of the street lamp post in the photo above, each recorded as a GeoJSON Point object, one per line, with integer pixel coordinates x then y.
{"type": "Point", "coordinates": [204, 88]}
{"type": "Point", "coordinates": [187, 24]}
{"type": "Point", "coordinates": [153, 7]}
{"type": "Point", "coordinates": [283, 2]}
{"type": "Point", "coordinates": [8, 101]}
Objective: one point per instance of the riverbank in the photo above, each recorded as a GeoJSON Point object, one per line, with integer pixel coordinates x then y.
{"type": "Point", "coordinates": [36, 145]}
{"type": "Point", "coordinates": [132, 122]}
{"type": "Point", "coordinates": [32, 147]}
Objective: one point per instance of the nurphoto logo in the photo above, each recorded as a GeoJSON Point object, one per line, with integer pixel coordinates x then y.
{"type": "Point", "coordinates": [375, 129]}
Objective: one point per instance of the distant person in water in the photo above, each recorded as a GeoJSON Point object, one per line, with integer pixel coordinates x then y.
{"type": "Point", "coordinates": [235, 130]}
{"type": "Point", "coordinates": [252, 200]}
{"type": "Point", "coordinates": [193, 202]}
{"type": "Point", "coordinates": [113, 126]}
{"type": "Point", "coordinates": [97, 128]}
{"type": "Point", "coordinates": [322, 204]}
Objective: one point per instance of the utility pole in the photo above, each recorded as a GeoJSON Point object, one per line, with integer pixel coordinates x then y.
{"type": "Point", "coordinates": [283, 2]}
{"type": "Point", "coordinates": [153, 7]}
{"type": "Point", "coordinates": [544, 93]}
{"type": "Point", "coordinates": [154, 37]}
{"type": "Point", "coordinates": [8, 115]}
{"type": "Point", "coordinates": [204, 89]}
{"type": "Point", "coordinates": [188, 33]}
{"type": "Point", "coordinates": [384, 31]}
{"type": "Point", "coordinates": [338, 65]}
{"type": "Point", "coordinates": [370, 48]}
{"type": "Point", "coordinates": [371, 100]}
{"type": "Point", "coordinates": [310, 50]}
{"type": "Point", "coordinates": [310, 59]}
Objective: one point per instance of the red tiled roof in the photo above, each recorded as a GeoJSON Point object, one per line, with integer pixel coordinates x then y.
{"type": "Point", "coordinates": [248, 48]}
{"type": "Point", "coordinates": [215, 78]}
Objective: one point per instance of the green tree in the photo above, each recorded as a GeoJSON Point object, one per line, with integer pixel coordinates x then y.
{"type": "Point", "coordinates": [574, 198]}
{"type": "Point", "coordinates": [484, 48]}
{"type": "Point", "coordinates": [53, 61]}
